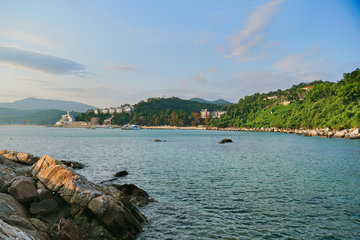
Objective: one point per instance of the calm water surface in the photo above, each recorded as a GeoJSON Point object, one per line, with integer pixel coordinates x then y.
{"type": "Point", "coordinates": [261, 186]}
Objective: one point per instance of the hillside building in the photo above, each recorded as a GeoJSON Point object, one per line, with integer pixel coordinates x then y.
{"type": "Point", "coordinates": [206, 113]}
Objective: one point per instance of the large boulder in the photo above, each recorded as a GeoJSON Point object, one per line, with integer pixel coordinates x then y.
{"type": "Point", "coordinates": [44, 207]}
{"type": "Point", "coordinates": [81, 194]}
{"type": "Point", "coordinates": [23, 191]}
{"type": "Point", "coordinates": [339, 134]}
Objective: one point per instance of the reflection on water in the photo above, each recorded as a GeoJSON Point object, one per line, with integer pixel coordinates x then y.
{"type": "Point", "coordinates": [263, 185]}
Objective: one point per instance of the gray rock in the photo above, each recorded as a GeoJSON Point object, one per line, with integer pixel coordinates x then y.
{"type": "Point", "coordinates": [44, 207]}
{"type": "Point", "coordinates": [68, 231]}
{"type": "Point", "coordinates": [9, 232]}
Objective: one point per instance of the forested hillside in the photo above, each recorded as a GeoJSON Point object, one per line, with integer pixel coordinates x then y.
{"type": "Point", "coordinates": [158, 111]}
{"type": "Point", "coordinates": [326, 104]}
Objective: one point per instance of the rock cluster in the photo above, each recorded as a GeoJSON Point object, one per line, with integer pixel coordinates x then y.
{"type": "Point", "coordinates": [353, 133]}
{"type": "Point", "coordinates": [48, 200]}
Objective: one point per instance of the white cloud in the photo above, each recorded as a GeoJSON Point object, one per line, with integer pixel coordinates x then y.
{"type": "Point", "coordinates": [204, 37]}
{"type": "Point", "coordinates": [27, 37]}
{"type": "Point", "coordinates": [251, 42]}
{"type": "Point", "coordinates": [305, 65]}
{"type": "Point", "coordinates": [40, 62]}
{"type": "Point", "coordinates": [121, 68]}
{"type": "Point", "coordinates": [212, 70]}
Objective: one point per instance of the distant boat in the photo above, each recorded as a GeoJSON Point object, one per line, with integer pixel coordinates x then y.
{"type": "Point", "coordinates": [130, 127]}
{"type": "Point", "coordinates": [90, 128]}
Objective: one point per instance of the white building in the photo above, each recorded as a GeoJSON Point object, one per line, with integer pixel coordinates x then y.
{"type": "Point", "coordinates": [206, 113]}
{"type": "Point", "coordinates": [119, 110]}
{"type": "Point", "coordinates": [112, 110]}
{"type": "Point", "coordinates": [66, 119]}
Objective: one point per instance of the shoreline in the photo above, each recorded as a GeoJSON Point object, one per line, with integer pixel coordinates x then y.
{"type": "Point", "coordinates": [353, 133]}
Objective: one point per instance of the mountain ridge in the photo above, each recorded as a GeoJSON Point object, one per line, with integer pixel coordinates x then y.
{"type": "Point", "coordinates": [221, 102]}
{"type": "Point", "coordinates": [45, 104]}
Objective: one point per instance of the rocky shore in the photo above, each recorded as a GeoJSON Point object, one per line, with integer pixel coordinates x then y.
{"type": "Point", "coordinates": [42, 198]}
{"type": "Point", "coordinates": [353, 133]}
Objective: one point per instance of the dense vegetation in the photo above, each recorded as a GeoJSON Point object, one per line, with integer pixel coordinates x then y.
{"type": "Point", "coordinates": [158, 111]}
{"type": "Point", "coordinates": [327, 104]}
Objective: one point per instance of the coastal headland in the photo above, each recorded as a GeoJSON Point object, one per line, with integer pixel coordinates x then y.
{"type": "Point", "coordinates": [42, 198]}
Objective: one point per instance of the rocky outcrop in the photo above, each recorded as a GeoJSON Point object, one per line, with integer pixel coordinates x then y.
{"type": "Point", "coordinates": [57, 203]}
{"type": "Point", "coordinates": [81, 194]}
{"type": "Point", "coordinates": [136, 195]}
{"type": "Point", "coordinates": [21, 157]}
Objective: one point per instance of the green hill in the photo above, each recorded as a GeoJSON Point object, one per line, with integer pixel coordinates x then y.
{"type": "Point", "coordinates": [41, 117]}
{"type": "Point", "coordinates": [326, 104]}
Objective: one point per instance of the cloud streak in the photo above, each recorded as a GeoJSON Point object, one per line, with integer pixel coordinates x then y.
{"type": "Point", "coordinates": [212, 70]}
{"type": "Point", "coordinates": [27, 37]}
{"type": "Point", "coordinates": [251, 43]}
{"type": "Point", "coordinates": [40, 62]}
{"type": "Point", "coordinates": [204, 37]}
{"type": "Point", "coordinates": [121, 68]}
{"type": "Point", "coordinates": [303, 65]}
{"type": "Point", "coordinates": [198, 78]}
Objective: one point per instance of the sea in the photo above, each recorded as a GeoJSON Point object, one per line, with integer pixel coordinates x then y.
{"type": "Point", "coordinates": [261, 186]}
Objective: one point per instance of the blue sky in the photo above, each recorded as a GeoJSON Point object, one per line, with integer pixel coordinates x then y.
{"type": "Point", "coordinates": [108, 53]}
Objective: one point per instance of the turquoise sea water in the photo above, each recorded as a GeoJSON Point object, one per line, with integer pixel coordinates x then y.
{"type": "Point", "coordinates": [261, 186]}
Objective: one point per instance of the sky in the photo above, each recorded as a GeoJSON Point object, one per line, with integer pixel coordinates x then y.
{"type": "Point", "coordinates": [108, 53]}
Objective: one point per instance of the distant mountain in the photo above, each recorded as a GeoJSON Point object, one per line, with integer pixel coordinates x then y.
{"type": "Point", "coordinates": [41, 117]}
{"type": "Point", "coordinates": [42, 104]}
{"type": "Point", "coordinates": [218, 102]}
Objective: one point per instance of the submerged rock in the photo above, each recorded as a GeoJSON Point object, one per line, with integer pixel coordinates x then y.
{"type": "Point", "coordinates": [73, 164]}
{"type": "Point", "coordinates": [121, 173]}
{"type": "Point", "coordinates": [225, 140]}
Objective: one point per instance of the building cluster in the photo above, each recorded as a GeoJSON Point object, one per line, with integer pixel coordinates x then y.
{"type": "Point", "coordinates": [111, 110]}
{"type": "Point", "coordinates": [207, 113]}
